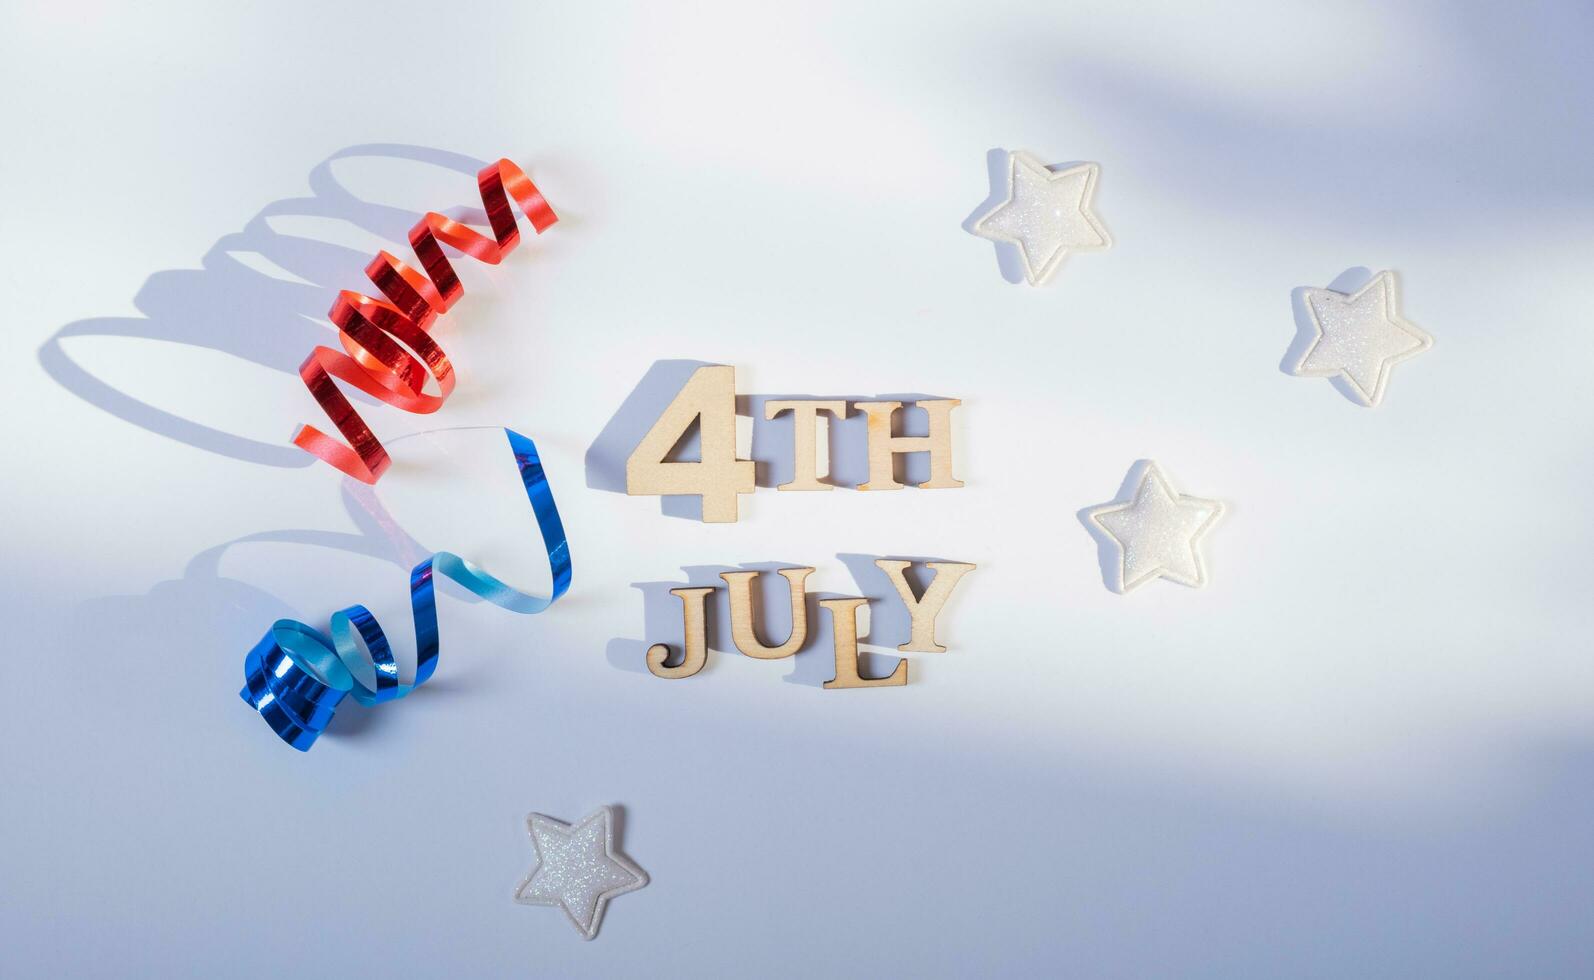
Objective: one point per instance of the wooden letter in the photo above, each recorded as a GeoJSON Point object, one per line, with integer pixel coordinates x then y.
{"type": "Point", "coordinates": [844, 632]}
{"type": "Point", "coordinates": [927, 607]}
{"type": "Point", "coordinates": [740, 587]}
{"type": "Point", "coordinates": [804, 421]}
{"type": "Point", "coordinates": [883, 446]}
{"type": "Point", "coordinates": [696, 653]}
{"type": "Point", "coordinates": [709, 395]}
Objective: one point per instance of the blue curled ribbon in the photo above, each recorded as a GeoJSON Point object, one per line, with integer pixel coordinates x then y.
{"type": "Point", "coordinates": [296, 677]}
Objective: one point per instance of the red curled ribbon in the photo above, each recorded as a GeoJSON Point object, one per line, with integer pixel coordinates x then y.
{"type": "Point", "coordinates": [372, 331]}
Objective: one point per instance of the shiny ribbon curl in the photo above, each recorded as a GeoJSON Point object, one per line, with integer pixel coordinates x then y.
{"type": "Point", "coordinates": [296, 677]}
{"type": "Point", "coordinates": [372, 331]}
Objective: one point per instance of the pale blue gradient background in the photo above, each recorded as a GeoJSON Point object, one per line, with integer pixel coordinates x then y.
{"type": "Point", "coordinates": [1364, 751]}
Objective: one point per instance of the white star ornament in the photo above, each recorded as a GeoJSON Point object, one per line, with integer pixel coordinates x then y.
{"type": "Point", "coordinates": [1157, 532]}
{"type": "Point", "coordinates": [578, 869]}
{"type": "Point", "coordinates": [1360, 336]}
{"type": "Point", "coordinates": [1047, 214]}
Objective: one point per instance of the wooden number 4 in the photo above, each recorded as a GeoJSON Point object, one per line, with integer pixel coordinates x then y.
{"type": "Point", "coordinates": [709, 397]}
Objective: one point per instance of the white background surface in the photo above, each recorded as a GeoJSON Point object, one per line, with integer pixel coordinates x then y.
{"type": "Point", "coordinates": [1363, 751]}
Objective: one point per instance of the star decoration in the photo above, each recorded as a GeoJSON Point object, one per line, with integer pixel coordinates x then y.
{"type": "Point", "coordinates": [1047, 215]}
{"type": "Point", "coordinates": [1157, 533]}
{"type": "Point", "coordinates": [1359, 338]}
{"type": "Point", "coordinates": [577, 868]}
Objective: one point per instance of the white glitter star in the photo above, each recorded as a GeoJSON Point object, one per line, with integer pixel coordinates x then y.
{"type": "Point", "coordinates": [1047, 214]}
{"type": "Point", "coordinates": [1359, 338]}
{"type": "Point", "coordinates": [577, 868]}
{"type": "Point", "coordinates": [1157, 532]}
